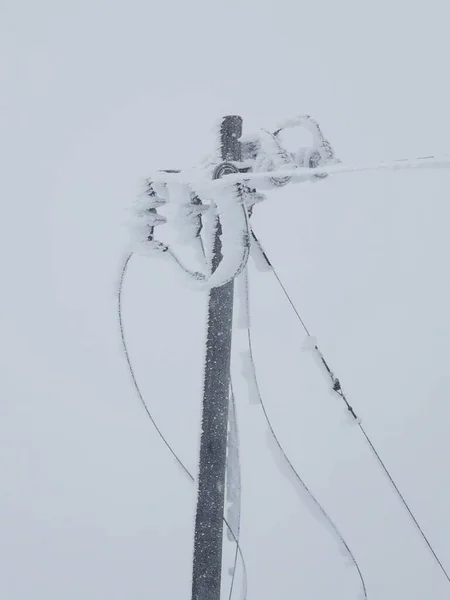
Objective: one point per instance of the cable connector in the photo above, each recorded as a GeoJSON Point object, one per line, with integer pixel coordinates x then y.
{"type": "Point", "coordinates": [310, 344]}
{"type": "Point", "coordinates": [336, 385]}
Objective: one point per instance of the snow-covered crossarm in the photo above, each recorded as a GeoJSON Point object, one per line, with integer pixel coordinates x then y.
{"type": "Point", "coordinates": [303, 174]}
{"type": "Point", "coordinates": [221, 193]}
{"type": "Point", "coordinates": [219, 196]}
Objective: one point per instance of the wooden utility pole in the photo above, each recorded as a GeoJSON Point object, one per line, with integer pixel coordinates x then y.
{"type": "Point", "coordinates": [208, 539]}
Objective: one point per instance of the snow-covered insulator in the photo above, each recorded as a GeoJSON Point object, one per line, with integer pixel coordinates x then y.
{"type": "Point", "coordinates": [156, 190]}
{"type": "Point", "coordinates": [189, 220]}
{"type": "Point", "coordinates": [185, 213]}
{"type": "Point", "coordinates": [187, 217]}
{"type": "Point", "coordinates": [251, 197]}
{"type": "Point", "coordinates": [145, 203]}
{"type": "Point", "coordinates": [153, 219]}
{"type": "Point", "coordinates": [264, 153]}
{"type": "Point", "coordinates": [145, 217]}
{"type": "Point", "coordinates": [319, 153]}
{"type": "Point", "coordinates": [149, 198]}
{"type": "Point", "coordinates": [144, 223]}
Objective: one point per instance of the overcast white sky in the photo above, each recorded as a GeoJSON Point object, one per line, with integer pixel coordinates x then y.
{"type": "Point", "coordinates": [96, 94]}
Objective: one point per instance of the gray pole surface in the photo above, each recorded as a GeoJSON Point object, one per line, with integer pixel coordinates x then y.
{"type": "Point", "coordinates": [208, 538]}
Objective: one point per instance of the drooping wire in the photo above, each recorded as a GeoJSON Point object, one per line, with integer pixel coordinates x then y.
{"type": "Point", "coordinates": [133, 376]}
{"type": "Point", "coordinates": [158, 430]}
{"type": "Point", "coordinates": [276, 439]}
{"type": "Point", "coordinates": [338, 389]}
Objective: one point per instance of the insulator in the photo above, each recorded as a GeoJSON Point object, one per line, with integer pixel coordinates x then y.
{"type": "Point", "coordinates": [156, 191]}
{"type": "Point", "coordinates": [153, 219]}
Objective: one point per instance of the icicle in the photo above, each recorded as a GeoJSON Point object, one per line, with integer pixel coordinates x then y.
{"type": "Point", "coordinates": [233, 475]}
{"type": "Point", "coordinates": [241, 310]}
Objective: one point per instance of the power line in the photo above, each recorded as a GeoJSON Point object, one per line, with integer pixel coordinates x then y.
{"type": "Point", "coordinates": [279, 445]}
{"type": "Point", "coordinates": [337, 388]}
{"type": "Point", "coordinates": [133, 376]}
{"type": "Point", "coordinates": [400, 495]}
{"type": "Point", "coordinates": [272, 268]}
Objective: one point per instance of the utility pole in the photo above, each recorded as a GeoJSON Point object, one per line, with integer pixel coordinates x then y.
{"type": "Point", "coordinates": [208, 538]}
{"type": "Point", "coordinates": [266, 162]}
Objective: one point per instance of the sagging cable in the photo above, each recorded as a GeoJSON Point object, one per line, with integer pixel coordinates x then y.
{"type": "Point", "coordinates": [243, 281]}
{"type": "Point", "coordinates": [183, 468]}
{"type": "Point", "coordinates": [337, 388]}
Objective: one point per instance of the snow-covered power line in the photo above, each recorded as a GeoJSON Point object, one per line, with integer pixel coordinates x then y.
{"type": "Point", "coordinates": [294, 475]}
{"type": "Point", "coordinates": [304, 174]}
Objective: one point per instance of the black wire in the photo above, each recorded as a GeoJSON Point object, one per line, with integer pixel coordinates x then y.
{"type": "Point", "coordinates": [400, 495]}
{"type": "Point", "coordinates": [285, 456]}
{"type": "Point", "coordinates": [133, 376]}
{"type": "Point", "coordinates": [369, 441]}
{"type": "Point", "coordinates": [158, 430]}
{"type": "Point", "coordinates": [263, 252]}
